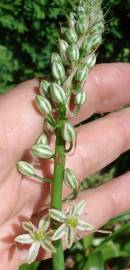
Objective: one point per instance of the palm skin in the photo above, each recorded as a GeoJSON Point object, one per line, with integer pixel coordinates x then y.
{"type": "Point", "coordinates": [98, 144]}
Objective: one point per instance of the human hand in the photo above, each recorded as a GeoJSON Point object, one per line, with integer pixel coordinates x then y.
{"type": "Point", "coordinates": [99, 143]}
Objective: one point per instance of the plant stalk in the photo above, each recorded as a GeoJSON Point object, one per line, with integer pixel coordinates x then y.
{"type": "Point", "coordinates": [57, 185]}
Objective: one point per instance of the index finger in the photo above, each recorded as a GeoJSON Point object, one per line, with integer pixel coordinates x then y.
{"type": "Point", "coordinates": [20, 123]}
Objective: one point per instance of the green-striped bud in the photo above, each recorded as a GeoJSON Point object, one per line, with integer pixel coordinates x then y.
{"type": "Point", "coordinates": [57, 93]}
{"type": "Point", "coordinates": [56, 58]}
{"type": "Point", "coordinates": [73, 53]}
{"type": "Point", "coordinates": [43, 104]}
{"type": "Point", "coordinates": [70, 179]}
{"type": "Point", "coordinates": [80, 98]}
{"type": "Point", "coordinates": [91, 60]}
{"type": "Point", "coordinates": [82, 26]}
{"type": "Point", "coordinates": [58, 70]}
{"type": "Point", "coordinates": [42, 151]}
{"type": "Point", "coordinates": [87, 45]}
{"type": "Point", "coordinates": [63, 45]}
{"type": "Point", "coordinates": [70, 35]}
{"type": "Point", "coordinates": [25, 168]}
{"type": "Point", "coordinates": [44, 85]}
{"type": "Point", "coordinates": [42, 139]}
{"type": "Point", "coordinates": [96, 41]}
{"type": "Point", "coordinates": [82, 73]}
{"type": "Point", "coordinates": [68, 132]}
{"type": "Point", "coordinates": [97, 28]}
{"type": "Point", "coordinates": [71, 21]}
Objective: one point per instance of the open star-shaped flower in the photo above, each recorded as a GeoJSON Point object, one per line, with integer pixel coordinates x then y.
{"type": "Point", "coordinates": [37, 236]}
{"type": "Point", "coordinates": [71, 225]}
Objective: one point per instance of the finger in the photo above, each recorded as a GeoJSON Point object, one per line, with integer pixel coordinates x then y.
{"type": "Point", "coordinates": [20, 123]}
{"type": "Point", "coordinates": [100, 142]}
{"type": "Point", "coordinates": [107, 89]}
{"type": "Point", "coordinates": [102, 204]}
{"type": "Point", "coordinates": [10, 259]}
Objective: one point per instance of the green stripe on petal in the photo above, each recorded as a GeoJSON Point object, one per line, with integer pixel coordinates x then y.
{"type": "Point", "coordinates": [70, 179]}
{"type": "Point", "coordinates": [83, 226]}
{"type": "Point", "coordinates": [59, 233]}
{"type": "Point", "coordinates": [28, 226]}
{"type": "Point", "coordinates": [57, 215]}
{"type": "Point", "coordinates": [79, 208]}
{"type": "Point", "coordinates": [44, 224]}
{"type": "Point", "coordinates": [70, 237]}
{"type": "Point", "coordinates": [33, 252]}
{"type": "Point", "coordinates": [47, 245]}
{"type": "Point", "coordinates": [24, 239]}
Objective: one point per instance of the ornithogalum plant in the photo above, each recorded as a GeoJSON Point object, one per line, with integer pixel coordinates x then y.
{"type": "Point", "coordinates": [60, 98]}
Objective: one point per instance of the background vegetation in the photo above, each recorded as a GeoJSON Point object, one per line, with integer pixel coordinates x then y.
{"type": "Point", "coordinates": [28, 31]}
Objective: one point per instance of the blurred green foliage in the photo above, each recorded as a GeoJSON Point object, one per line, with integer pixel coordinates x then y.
{"type": "Point", "coordinates": [28, 31]}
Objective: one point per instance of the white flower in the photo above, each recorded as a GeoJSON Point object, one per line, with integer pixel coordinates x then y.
{"type": "Point", "coordinates": [71, 224]}
{"type": "Point", "coordinates": [37, 237]}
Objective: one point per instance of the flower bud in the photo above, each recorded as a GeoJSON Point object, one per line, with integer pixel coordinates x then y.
{"type": "Point", "coordinates": [44, 85]}
{"type": "Point", "coordinates": [87, 45]}
{"type": "Point", "coordinates": [82, 73]}
{"type": "Point", "coordinates": [58, 70]}
{"type": "Point", "coordinates": [71, 21]}
{"type": "Point", "coordinates": [73, 53]}
{"type": "Point", "coordinates": [25, 168]}
{"type": "Point", "coordinates": [42, 151]}
{"type": "Point", "coordinates": [97, 28]}
{"type": "Point", "coordinates": [43, 104]}
{"type": "Point", "coordinates": [63, 45]}
{"type": "Point", "coordinates": [57, 93]}
{"type": "Point", "coordinates": [56, 58]}
{"type": "Point", "coordinates": [42, 139]}
{"type": "Point", "coordinates": [70, 35]}
{"type": "Point", "coordinates": [96, 41]}
{"type": "Point", "coordinates": [82, 25]}
{"type": "Point", "coordinates": [68, 132]}
{"type": "Point", "coordinates": [80, 98]}
{"type": "Point", "coordinates": [91, 60]}
{"type": "Point", "coordinates": [70, 179]}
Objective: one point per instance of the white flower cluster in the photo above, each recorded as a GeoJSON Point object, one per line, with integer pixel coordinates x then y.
{"type": "Point", "coordinates": [70, 226]}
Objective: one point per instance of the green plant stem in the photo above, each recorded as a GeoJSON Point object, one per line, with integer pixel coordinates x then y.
{"type": "Point", "coordinates": [56, 196]}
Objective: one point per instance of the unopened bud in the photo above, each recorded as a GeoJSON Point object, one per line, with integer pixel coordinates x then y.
{"type": "Point", "coordinates": [25, 168]}
{"type": "Point", "coordinates": [70, 35]}
{"type": "Point", "coordinates": [70, 179]}
{"type": "Point", "coordinates": [73, 53]}
{"type": "Point", "coordinates": [82, 26]}
{"type": "Point", "coordinates": [80, 98]}
{"type": "Point", "coordinates": [43, 104]}
{"type": "Point", "coordinates": [96, 41]}
{"type": "Point", "coordinates": [56, 58]}
{"type": "Point", "coordinates": [58, 70]}
{"type": "Point", "coordinates": [42, 151]}
{"type": "Point", "coordinates": [97, 28]}
{"type": "Point", "coordinates": [87, 45]}
{"type": "Point", "coordinates": [91, 60]}
{"type": "Point", "coordinates": [82, 73]}
{"type": "Point", "coordinates": [63, 45]}
{"type": "Point", "coordinates": [57, 93]}
{"type": "Point", "coordinates": [44, 85]}
{"type": "Point", "coordinates": [42, 139]}
{"type": "Point", "coordinates": [68, 132]}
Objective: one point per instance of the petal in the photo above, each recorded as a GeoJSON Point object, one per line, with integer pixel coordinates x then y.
{"type": "Point", "coordinates": [33, 252]}
{"type": "Point", "coordinates": [24, 239]}
{"type": "Point", "coordinates": [59, 233]}
{"type": "Point", "coordinates": [57, 215]}
{"type": "Point", "coordinates": [47, 245]}
{"type": "Point", "coordinates": [28, 226]}
{"type": "Point", "coordinates": [44, 224]}
{"type": "Point", "coordinates": [70, 237]}
{"type": "Point", "coordinates": [83, 226]}
{"type": "Point", "coordinates": [80, 207]}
